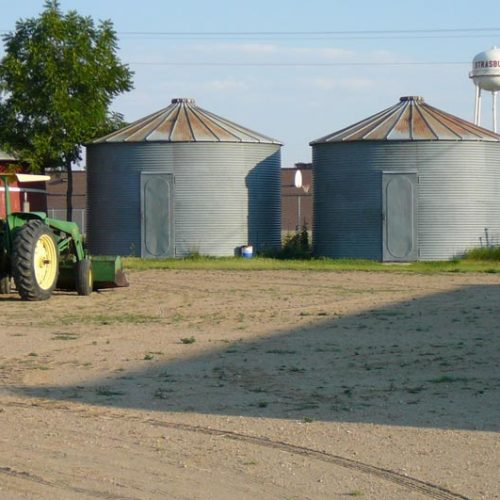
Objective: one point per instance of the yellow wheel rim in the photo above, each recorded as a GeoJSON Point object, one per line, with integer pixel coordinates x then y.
{"type": "Point", "coordinates": [91, 278]}
{"type": "Point", "coordinates": [45, 262]}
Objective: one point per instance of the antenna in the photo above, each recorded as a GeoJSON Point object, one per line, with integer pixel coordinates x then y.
{"type": "Point", "coordinates": [297, 181]}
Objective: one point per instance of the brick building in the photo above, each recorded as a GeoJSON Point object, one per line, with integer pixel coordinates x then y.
{"type": "Point", "coordinates": [296, 203]}
{"type": "Point", "coordinates": [56, 196]}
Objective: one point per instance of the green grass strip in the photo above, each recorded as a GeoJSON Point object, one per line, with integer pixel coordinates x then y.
{"type": "Point", "coordinates": [267, 264]}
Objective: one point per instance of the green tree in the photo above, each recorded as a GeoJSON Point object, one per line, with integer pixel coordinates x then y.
{"type": "Point", "coordinates": [58, 78]}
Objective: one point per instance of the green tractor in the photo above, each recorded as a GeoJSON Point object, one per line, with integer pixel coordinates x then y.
{"type": "Point", "coordinates": [42, 254]}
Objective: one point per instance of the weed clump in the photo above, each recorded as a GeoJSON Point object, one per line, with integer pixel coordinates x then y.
{"type": "Point", "coordinates": [484, 253]}
{"type": "Point", "coordinates": [296, 246]}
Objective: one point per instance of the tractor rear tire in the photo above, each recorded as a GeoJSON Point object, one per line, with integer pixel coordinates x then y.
{"type": "Point", "coordinates": [4, 284]}
{"type": "Point", "coordinates": [35, 261]}
{"type": "Point", "coordinates": [84, 277]}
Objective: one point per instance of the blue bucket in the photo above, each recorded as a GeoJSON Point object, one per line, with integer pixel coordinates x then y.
{"type": "Point", "coordinates": [247, 251]}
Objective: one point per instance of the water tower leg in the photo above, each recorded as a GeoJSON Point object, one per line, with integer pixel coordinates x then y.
{"type": "Point", "coordinates": [494, 99]}
{"type": "Point", "coordinates": [476, 106]}
{"type": "Point", "coordinates": [477, 111]}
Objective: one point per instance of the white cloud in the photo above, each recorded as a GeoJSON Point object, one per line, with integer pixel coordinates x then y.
{"type": "Point", "coordinates": [195, 87]}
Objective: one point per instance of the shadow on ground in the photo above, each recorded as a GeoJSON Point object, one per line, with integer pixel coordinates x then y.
{"type": "Point", "coordinates": [430, 362]}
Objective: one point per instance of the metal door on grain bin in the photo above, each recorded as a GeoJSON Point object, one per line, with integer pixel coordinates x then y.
{"type": "Point", "coordinates": [157, 220]}
{"type": "Point", "coordinates": [399, 227]}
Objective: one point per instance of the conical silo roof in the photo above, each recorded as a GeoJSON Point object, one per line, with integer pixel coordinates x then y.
{"type": "Point", "coordinates": [184, 121]}
{"type": "Point", "coordinates": [411, 120]}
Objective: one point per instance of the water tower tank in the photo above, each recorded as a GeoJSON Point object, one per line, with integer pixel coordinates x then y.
{"type": "Point", "coordinates": [486, 76]}
{"type": "Point", "coordinates": [486, 70]}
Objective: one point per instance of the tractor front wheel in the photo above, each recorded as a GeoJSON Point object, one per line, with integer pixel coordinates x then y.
{"type": "Point", "coordinates": [84, 277]}
{"type": "Point", "coordinates": [35, 261]}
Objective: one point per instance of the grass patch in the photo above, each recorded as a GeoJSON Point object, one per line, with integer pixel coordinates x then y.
{"type": "Point", "coordinates": [484, 253]}
{"type": "Point", "coordinates": [306, 406]}
{"type": "Point", "coordinates": [106, 391]}
{"type": "Point", "coordinates": [327, 349]}
{"type": "Point", "coordinates": [465, 265]}
{"type": "Point", "coordinates": [280, 351]}
{"type": "Point", "coordinates": [109, 319]}
{"type": "Point", "coordinates": [162, 393]}
{"type": "Point", "coordinates": [152, 354]}
{"type": "Point", "coordinates": [188, 340]}
{"type": "Point", "coordinates": [65, 336]}
{"type": "Point", "coordinates": [415, 390]}
{"type": "Point", "coordinates": [177, 317]}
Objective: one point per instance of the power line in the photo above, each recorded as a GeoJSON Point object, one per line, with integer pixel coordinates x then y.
{"type": "Point", "coordinates": [284, 33]}
{"type": "Point", "coordinates": [299, 64]}
{"type": "Point", "coordinates": [246, 38]}
{"type": "Point", "coordinates": [439, 33]}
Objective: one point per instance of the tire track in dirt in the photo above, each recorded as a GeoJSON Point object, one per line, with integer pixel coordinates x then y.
{"type": "Point", "coordinates": [428, 489]}
{"type": "Point", "coordinates": [28, 476]}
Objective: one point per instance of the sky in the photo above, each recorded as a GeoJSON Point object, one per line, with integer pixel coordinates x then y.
{"type": "Point", "coordinates": [293, 70]}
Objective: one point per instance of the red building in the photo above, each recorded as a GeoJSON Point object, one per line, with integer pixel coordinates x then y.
{"type": "Point", "coordinates": [29, 196]}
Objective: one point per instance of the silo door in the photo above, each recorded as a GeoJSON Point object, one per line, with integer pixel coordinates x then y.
{"type": "Point", "coordinates": [400, 231]}
{"type": "Point", "coordinates": [157, 234]}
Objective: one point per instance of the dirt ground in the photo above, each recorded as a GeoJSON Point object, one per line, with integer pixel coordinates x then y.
{"type": "Point", "coordinates": [254, 385]}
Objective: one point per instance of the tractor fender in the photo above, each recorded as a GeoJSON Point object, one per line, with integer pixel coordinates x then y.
{"type": "Point", "coordinates": [30, 215]}
{"type": "Point", "coordinates": [17, 219]}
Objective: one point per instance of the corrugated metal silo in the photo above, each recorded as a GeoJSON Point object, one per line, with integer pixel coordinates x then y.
{"type": "Point", "coordinates": [183, 180]}
{"type": "Point", "coordinates": [409, 183]}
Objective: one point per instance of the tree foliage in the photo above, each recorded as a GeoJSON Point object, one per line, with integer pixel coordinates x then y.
{"type": "Point", "coordinates": [58, 78]}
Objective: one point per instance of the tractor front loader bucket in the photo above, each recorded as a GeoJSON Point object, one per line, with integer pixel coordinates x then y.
{"type": "Point", "coordinates": [108, 272]}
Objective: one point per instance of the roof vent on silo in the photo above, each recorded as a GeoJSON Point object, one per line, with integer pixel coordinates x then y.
{"type": "Point", "coordinates": [183, 100]}
{"type": "Point", "coordinates": [415, 98]}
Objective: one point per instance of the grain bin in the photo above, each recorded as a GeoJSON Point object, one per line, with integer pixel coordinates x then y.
{"type": "Point", "coordinates": [409, 183]}
{"type": "Point", "coordinates": [183, 181]}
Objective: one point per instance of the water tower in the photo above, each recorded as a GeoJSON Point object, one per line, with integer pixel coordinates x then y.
{"type": "Point", "coordinates": [486, 76]}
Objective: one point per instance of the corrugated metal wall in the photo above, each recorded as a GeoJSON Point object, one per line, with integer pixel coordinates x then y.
{"type": "Point", "coordinates": [458, 201]}
{"type": "Point", "coordinates": [226, 195]}
{"type": "Point", "coordinates": [114, 198]}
